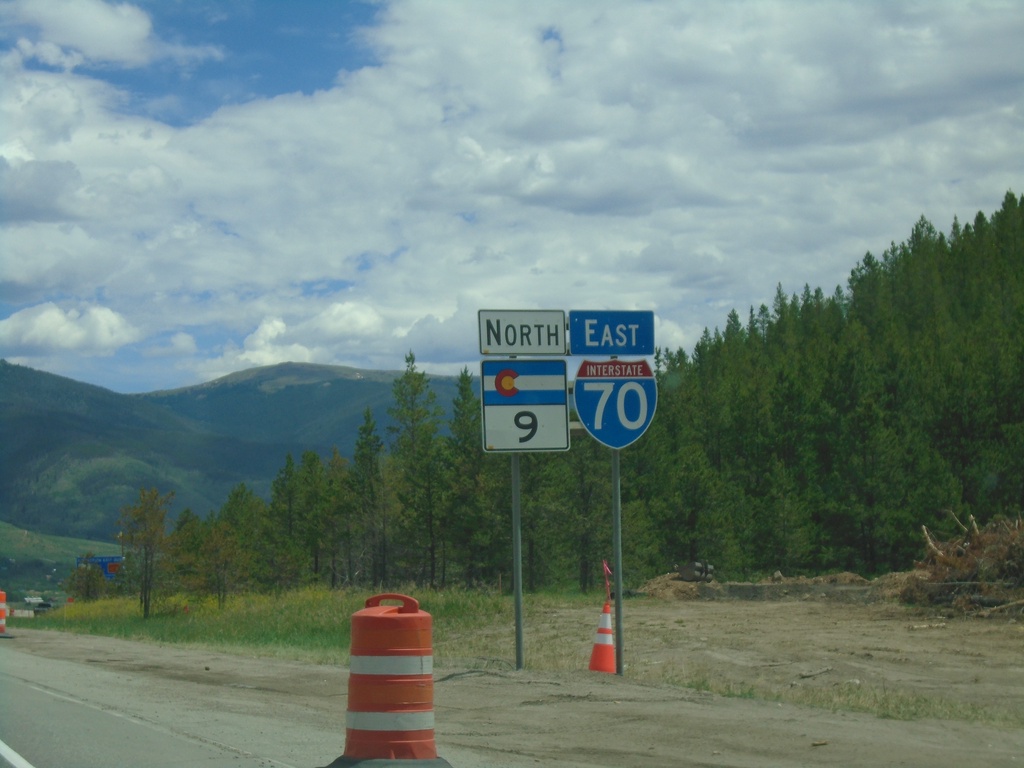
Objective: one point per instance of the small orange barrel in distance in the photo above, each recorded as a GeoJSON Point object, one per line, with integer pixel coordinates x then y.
{"type": "Point", "coordinates": [3, 613]}
{"type": "Point", "coordinates": [391, 682]}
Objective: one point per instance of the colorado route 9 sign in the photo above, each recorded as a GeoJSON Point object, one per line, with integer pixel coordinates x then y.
{"type": "Point", "coordinates": [615, 399]}
{"type": "Point", "coordinates": [525, 405]}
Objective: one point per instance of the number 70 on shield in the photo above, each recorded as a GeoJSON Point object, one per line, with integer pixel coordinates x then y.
{"type": "Point", "coordinates": [623, 393]}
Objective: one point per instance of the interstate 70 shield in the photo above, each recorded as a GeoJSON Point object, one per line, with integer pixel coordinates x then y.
{"type": "Point", "coordinates": [615, 399]}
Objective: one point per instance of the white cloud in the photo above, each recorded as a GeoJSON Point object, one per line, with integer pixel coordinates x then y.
{"type": "Point", "coordinates": [43, 110]}
{"type": "Point", "coordinates": [46, 328]}
{"type": "Point", "coordinates": [684, 157]}
{"type": "Point", "coordinates": [101, 31]}
{"type": "Point", "coordinates": [268, 344]}
{"type": "Point", "coordinates": [75, 31]}
{"type": "Point", "coordinates": [344, 320]}
{"type": "Point", "coordinates": [36, 191]}
{"type": "Point", "coordinates": [179, 345]}
{"type": "Point", "coordinates": [50, 54]}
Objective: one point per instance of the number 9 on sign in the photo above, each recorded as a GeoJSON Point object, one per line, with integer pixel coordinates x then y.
{"type": "Point", "coordinates": [533, 428]}
{"type": "Point", "coordinates": [526, 421]}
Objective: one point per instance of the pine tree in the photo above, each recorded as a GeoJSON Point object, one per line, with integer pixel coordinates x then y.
{"type": "Point", "coordinates": [416, 452]}
{"type": "Point", "coordinates": [371, 510]}
{"type": "Point", "coordinates": [144, 538]}
{"type": "Point", "coordinates": [472, 531]}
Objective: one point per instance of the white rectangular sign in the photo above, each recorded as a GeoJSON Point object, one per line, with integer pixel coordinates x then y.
{"type": "Point", "coordinates": [522, 332]}
{"type": "Point", "coordinates": [525, 405]}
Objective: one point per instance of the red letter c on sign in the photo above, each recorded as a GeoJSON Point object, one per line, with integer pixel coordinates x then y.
{"type": "Point", "coordinates": [505, 382]}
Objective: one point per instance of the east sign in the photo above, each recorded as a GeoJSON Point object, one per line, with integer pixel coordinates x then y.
{"type": "Point", "coordinates": [618, 332]}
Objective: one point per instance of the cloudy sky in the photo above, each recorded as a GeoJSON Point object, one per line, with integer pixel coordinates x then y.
{"type": "Point", "coordinates": [194, 187]}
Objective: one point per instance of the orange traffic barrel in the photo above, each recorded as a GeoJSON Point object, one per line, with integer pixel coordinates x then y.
{"type": "Point", "coordinates": [390, 713]}
{"type": "Point", "coordinates": [3, 613]}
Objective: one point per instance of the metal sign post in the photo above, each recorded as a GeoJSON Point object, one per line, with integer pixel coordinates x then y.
{"type": "Point", "coordinates": [525, 406]}
{"type": "Point", "coordinates": [617, 559]}
{"type": "Point", "coordinates": [615, 402]}
{"type": "Point", "coordinates": [517, 560]}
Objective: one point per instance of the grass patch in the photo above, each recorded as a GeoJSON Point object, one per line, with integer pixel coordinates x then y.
{"type": "Point", "coordinates": [843, 697]}
{"type": "Point", "coordinates": [314, 623]}
{"type": "Point", "coordinates": [900, 705]}
{"type": "Point", "coordinates": [311, 624]}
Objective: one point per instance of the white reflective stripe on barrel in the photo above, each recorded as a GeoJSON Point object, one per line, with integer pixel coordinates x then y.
{"type": "Point", "coordinates": [390, 721]}
{"type": "Point", "coordinates": [601, 639]}
{"type": "Point", "coordinates": [391, 665]}
{"type": "Point", "coordinates": [606, 621]}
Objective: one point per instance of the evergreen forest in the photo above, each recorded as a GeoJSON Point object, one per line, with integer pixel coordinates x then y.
{"type": "Point", "coordinates": [816, 435]}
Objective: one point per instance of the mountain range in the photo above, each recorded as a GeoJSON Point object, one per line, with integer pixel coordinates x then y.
{"type": "Point", "coordinates": [74, 454]}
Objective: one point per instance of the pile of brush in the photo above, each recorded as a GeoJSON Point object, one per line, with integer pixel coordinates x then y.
{"type": "Point", "coordinates": [980, 571]}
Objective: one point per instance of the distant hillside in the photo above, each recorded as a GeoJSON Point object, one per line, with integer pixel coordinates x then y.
{"type": "Point", "coordinates": [74, 453]}
{"type": "Point", "coordinates": [317, 406]}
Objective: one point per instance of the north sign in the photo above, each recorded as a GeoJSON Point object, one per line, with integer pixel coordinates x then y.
{"type": "Point", "coordinates": [611, 333]}
{"type": "Point", "coordinates": [525, 405]}
{"type": "Point", "coordinates": [615, 399]}
{"type": "Point", "coordinates": [522, 331]}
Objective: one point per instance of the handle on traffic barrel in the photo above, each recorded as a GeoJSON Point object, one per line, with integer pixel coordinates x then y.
{"type": "Point", "coordinates": [409, 604]}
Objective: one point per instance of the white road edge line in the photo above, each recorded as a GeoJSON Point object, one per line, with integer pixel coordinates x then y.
{"type": "Point", "coordinates": [12, 757]}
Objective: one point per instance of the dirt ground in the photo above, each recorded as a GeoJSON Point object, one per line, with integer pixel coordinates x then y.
{"type": "Point", "coordinates": [717, 675]}
{"type": "Point", "coordinates": [811, 636]}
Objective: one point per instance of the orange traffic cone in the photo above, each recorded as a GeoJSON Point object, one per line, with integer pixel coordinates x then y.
{"type": "Point", "coordinates": [602, 658]}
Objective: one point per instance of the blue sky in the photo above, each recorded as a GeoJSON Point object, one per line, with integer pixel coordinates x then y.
{"type": "Point", "coordinates": [254, 50]}
{"type": "Point", "coordinates": [192, 188]}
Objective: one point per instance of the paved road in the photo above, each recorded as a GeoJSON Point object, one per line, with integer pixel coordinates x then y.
{"type": "Point", "coordinates": [48, 727]}
{"type": "Point", "coordinates": [61, 714]}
